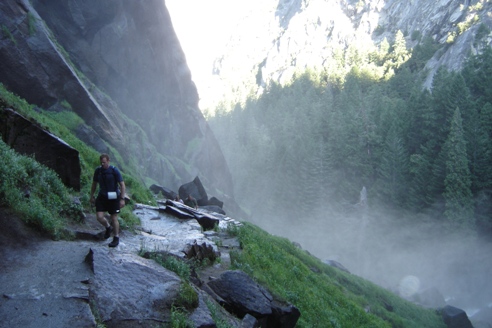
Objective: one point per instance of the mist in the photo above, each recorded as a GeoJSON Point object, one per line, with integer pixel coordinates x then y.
{"type": "Point", "coordinates": [384, 248]}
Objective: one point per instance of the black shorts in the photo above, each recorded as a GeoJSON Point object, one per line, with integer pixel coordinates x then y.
{"type": "Point", "coordinates": [112, 206]}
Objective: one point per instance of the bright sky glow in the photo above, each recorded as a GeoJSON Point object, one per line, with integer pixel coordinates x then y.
{"type": "Point", "coordinates": [203, 28]}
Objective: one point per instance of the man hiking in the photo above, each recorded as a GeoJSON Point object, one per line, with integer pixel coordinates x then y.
{"type": "Point", "coordinates": [110, 198]}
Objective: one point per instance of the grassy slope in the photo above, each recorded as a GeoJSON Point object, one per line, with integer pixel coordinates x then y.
{"type": "Point", "coordinates": [50, 201]}
{"type": "Point", "coordinates": [326, 296]}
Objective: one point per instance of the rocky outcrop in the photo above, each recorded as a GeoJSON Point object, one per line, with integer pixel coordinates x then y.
{"type": "Point", "coordinates": [295, 35]}
{"type": "Point", "coordinates": [455, 318]}
{"type": "Point", "coordinates": [113, 63]}
{"type": "Point", "coordinates": [131, 290]}
{"type": "Point", "coordinates": [166, 193]}
{"type": "Point", "coordinates": [28, 138]}
{"type": "Point", "coordinates": [239, 294]}
{"type": "Point", "coordinates": [198, 191]}
{"type": "Point", "coordinates": [128, 289]}
{"type": "Point", "coordinates": [194, 188]}
{"type": "Point", "coordinates": [35, 68]}
{"type": "Point", "coordinates": [130, 50]}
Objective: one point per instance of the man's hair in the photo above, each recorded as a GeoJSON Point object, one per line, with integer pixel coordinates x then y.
{"type": "Point", "coordinates": [106, 156]}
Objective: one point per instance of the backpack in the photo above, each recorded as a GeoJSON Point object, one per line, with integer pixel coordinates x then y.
{"type": "Point", "coordinates": [101, 177]}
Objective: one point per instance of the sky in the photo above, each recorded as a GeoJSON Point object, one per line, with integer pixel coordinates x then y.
{"type": "Point", "coordinates": [203, 28]}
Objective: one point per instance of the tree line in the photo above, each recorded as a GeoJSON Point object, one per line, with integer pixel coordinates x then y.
{"type": "Point", "coordinates": [322, 138]}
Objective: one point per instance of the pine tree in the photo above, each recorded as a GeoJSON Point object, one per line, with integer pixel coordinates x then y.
{"type": "Point", "coordinates": [393, 168]}
{"type": "Point", "coordinates": [457, 194]}
{"type": "Point", "coordinates": [448, 93]}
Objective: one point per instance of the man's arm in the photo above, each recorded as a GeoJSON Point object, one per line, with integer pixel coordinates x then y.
{"type": "Point", "coordinates": [93, 190]}
{"type": "Point", "coordinates": [123, 191]}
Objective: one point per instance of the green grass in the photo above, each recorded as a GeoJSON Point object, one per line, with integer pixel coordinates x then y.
{"type": "Point", "coordinates": [39, 210]}
{"type": "Point", "coordinates": [179, 319]}
{"type": "Point", "coordinates": [218, 317]}
{"type": "Point", "coordinates": [181, 268]}
{"type": "Point", "coordinates": [49, 205]}
{"type": "Point", "coordinates": [326, 296]}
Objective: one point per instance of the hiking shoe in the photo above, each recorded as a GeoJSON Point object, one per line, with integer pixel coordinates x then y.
{"type": "Point", "coordinates": [107, 234]}
{"type": "Point", "coordinates": [115, 242]}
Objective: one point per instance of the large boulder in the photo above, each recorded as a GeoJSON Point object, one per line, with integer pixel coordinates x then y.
{"type": "Point", "coordinates": [239, 294]}
{"type": "Point", "coordinates": [28, 138]}
{"type": "Point", "coordinates": [129, 290]}
{"type": "Point", "coordinates": [168, 193]}
{"type": "Point", "coordinates": [455, 318]}
{"type": "Point", "coordinates": [194, 188]}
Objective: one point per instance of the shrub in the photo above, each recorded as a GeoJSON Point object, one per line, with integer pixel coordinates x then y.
{"type": "Point", "coordinates": [187, 297]}
{"type": "Point", "coordinates": [35, 192]}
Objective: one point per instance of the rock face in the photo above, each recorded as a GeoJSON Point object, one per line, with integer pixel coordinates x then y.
{"type": "Point", "coordinates": [111, 61]}
{"type": "Point", "coordinates": [34, 68]}
{"type": "Point", "coordinates": [297, 34]}
{"type": "Point", "coordinates": [455, 318]}
{"type": "Point", "coordinates": [124, 300]}
{"type": "Point", "coordinates": [29, 139]}
{"type": "Point", "coordinates": [239, 294]}
{"type": "Point", "coordinates": [130, 290]}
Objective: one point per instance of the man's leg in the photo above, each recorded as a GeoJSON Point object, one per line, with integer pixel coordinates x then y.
{"type": "Point", "coordinates": [116, 224]}
{"type": "Point", "coordinates": [116, 227]}
{"type": "Point", "coordinates": [100, 217]}
{"type": "Point", "coordinates": [102, 220]}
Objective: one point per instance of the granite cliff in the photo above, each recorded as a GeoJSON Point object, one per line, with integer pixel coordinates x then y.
{"type": "Point", "coordinates": [274, 39]}
{"type": "Point", "coordinates": [120, 67]}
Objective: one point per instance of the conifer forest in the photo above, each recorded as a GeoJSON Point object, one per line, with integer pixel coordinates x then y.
{"type": "Point", "coordinates": [366, 121]}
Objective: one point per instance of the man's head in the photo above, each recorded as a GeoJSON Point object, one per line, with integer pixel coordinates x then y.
{"type": "Point", "coordinates": [104, 159]}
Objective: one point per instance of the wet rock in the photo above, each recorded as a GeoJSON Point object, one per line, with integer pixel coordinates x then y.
{"type": "Point", "coordinates": [30, 139]}
{"type": "Point", "coordinates": [206, 220]}
{"type": "Point", "coordinates": [194, 188]}
{"type": "Point", "coordinates": [249, 322]}
{"type": "Point", "coordinates": [175, 211]}
{"type": "Point", "coordinates": [239, 294]}
{"type": "Point", "coordinates": [215, 202]}
{"type": "Point", "coordinates": [213, 208]}
{"type": "Point", "coordinates": [128, 289]}
{"type": "Point", "coordinates": [242, 295]}
{"type": "Point", "coordinates": [167, 193]}
{"type": "Point", "coordinates": [455, 318]}
{"type": "Point", "coordinates": [201, 252]}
